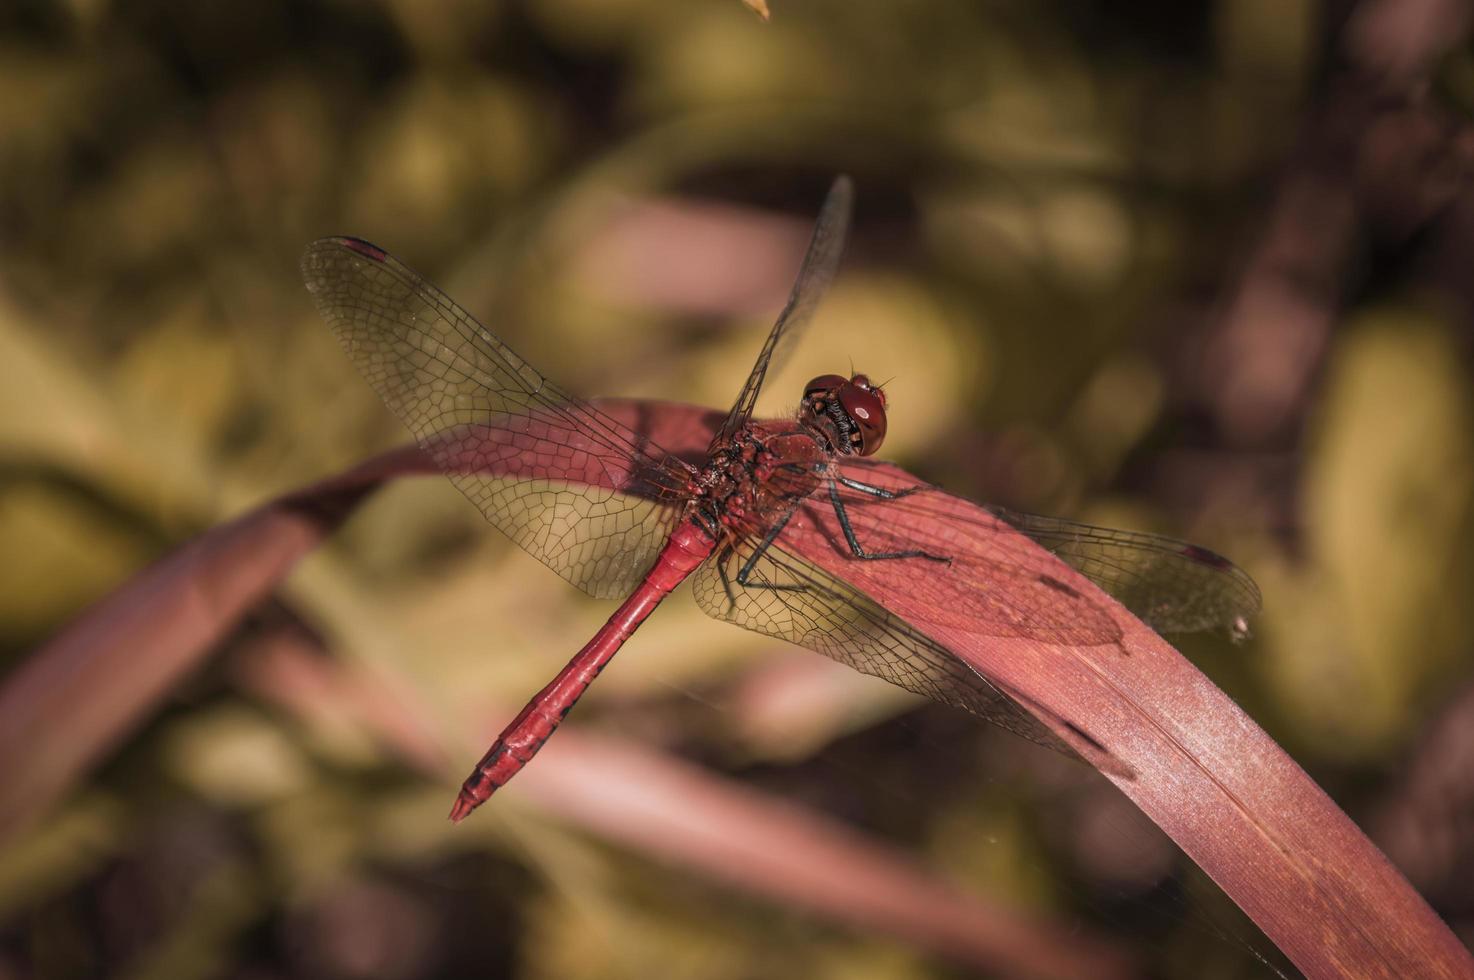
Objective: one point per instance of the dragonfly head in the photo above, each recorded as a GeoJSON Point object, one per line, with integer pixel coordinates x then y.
{"type": "Point", "coordinates": [850, 410]}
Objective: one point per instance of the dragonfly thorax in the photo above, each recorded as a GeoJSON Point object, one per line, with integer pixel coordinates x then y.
{"type": "Point", "coordinates": [848, 412]}
{"type": "Point", "coordinates": [757, 477]}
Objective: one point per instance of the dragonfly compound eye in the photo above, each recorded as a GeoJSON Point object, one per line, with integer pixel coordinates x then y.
{"type": "Point", "coordinates": [819, 391]}
{"type": "Point", "coordinates": [864, 383]}
{"type": "Point", "coordinates": [852, 409]}
{"type": "Point", "coordinates": [865, 407]}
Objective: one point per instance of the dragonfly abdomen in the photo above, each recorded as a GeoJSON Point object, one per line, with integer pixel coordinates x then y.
{"type": "Point", "coordinates": [688, 547]}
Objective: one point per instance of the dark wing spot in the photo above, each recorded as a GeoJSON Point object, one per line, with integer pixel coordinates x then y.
{"type": "Point", "coordinates": [1205, 557]}
{"type": "Point", "coordinates": [368, 249]}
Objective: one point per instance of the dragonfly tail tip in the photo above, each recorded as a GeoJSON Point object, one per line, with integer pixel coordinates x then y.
{"type": "Point", "coordinates": [461, 809]}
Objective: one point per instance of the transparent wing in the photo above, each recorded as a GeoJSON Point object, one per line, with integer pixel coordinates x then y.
{"type": "Point", "coordinates": [792, 599]}
{"type": "Point", "coordinates": [1172, 586]}
{"type": "Point", "coordinates": [577, 489]}
{"type": "Point", "coordinates": [820, 264]}
{"type": "Point", "coordinates": [1169, 584]}
{"type": "Point", "coordinates": [808, 586]}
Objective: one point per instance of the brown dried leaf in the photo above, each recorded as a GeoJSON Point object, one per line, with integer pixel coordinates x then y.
{"type": "Point", "coordinates": [759, 7]}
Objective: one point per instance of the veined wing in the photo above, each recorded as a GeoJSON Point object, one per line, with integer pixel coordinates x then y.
{"type": "Point", "coordinates": [579, 490]}
{"type": "Point", "coordinates": [820, 264]}
{"type": "Point", "coordinates": [1170, 585]}
{"type": "Point", "coordinates": [793, 599]}
{"type": "Point", "coordinates": [808, 587]}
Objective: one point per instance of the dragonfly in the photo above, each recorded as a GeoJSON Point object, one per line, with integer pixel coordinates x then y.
{"type": "Point", "coordinates": [789, 527]}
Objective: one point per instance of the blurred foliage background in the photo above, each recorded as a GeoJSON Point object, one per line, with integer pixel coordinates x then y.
{"type": "Point", "coordinates": [1196, 268]}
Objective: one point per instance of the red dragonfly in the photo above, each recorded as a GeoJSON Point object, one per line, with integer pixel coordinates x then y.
{"type": "Point", "coordinates": [598, 502]}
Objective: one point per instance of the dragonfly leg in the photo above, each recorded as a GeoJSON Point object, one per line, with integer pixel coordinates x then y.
{"type": "Point", "coordinates": [879, 492]}
{"type": "Point", "coordinates": [707, 523]}
{"type": "Point", "coordinates": [745, 572]}
{"type": "Point", "coordinates": [849, 532]}
{"type": "Point", "coordinates": [721, 561]}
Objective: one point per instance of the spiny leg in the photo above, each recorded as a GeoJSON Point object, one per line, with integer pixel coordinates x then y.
{"type": "Point", "coordinates": [744, 573]}
{"type": "Point", "coordinates": [721, 561]}
{"type": "Point", "coordinates": [707, 523]}
{"type": "Point", "coordinates": [880, 492]}
{"type": "Point", "coordinates": [856, 550]}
